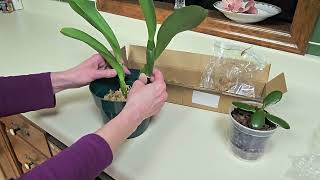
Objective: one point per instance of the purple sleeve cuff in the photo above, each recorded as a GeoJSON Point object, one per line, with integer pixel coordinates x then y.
{"type": "Point", "coordinates": [19, 94]}
{"type": "Point", "coordinates": [85, 159]}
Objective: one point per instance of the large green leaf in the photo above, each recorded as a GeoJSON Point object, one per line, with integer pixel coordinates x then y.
{"type": "Point", "coordinates": [244, 106]}
{"type": "Point", "coordinates": [278, 121]}
{"type": "Point", "coordinates": [258, 119]}
{"type": "Point", "coordinates": [272, 98]}
{"type": "Point", "coordinates": [101, 49]}
{"type": "Point", "coordinates": [92, 42]}
{"type": "Point", "coordinates": [148, 10]}
{"type": "Point", "coordinates": [87, 10]}
{"type": "Point", "coordinates": [180, 20]}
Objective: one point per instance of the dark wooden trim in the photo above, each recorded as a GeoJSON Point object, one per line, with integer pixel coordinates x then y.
{"type": "Point", "coordinates": [272, 34]}
{"type": "Point", "coordinates": [305, 17]}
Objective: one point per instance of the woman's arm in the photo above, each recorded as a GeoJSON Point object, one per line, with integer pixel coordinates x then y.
{"type": "Point", "coordinates": [86, 158]}
{"type": "Point", "coordinates": [20, 94]}
{"type": "Point", "coordinates": [91, 154]}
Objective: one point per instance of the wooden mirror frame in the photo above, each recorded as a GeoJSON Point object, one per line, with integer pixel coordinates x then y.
{"type": "Point", "coordinates": [290, 37]}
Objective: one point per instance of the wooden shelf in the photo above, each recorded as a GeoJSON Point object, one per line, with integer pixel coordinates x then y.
{"type": "Point", "coordinates": [270, 33]}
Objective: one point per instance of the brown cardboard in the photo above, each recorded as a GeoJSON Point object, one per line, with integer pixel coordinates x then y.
{"type": "Point", "coordinates": [183, 96]}
{"type": "Point", "coordinates": [277, 83]}
{"type": "Point", "coordinates": [183, 72]}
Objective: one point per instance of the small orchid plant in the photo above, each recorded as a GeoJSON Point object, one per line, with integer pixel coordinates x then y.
{"type": "Point", "coordinates": [259, 114]}
{"type": "Point", "coordinates": [180, 20]}
{"type": "Point", "coordinates": [239, 6]}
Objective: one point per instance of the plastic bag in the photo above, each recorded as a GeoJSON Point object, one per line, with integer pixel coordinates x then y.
{"type": "Point", "coordinates": [307, 166]}
{"type": "Point", "coordinates": [232, 69]}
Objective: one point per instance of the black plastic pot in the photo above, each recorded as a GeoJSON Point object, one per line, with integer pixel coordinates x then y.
{"type": "Point", "coordinates": [110, 109]}
{"type": "Point", "coordinates": [247, 143]}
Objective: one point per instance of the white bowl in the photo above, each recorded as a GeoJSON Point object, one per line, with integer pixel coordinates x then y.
{"type": "Point", "coordinates": [265, 11]}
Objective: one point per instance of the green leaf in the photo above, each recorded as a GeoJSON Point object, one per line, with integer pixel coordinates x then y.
{"type": "Point", "coordinates": [92, 42]}
{"type": "Point", "coordinates": [148, 10]}
{"type": "Point", "coordinates": [88, 11]}
{"type": "Point", "coordinates": [244, 106]}
{"type": "Point", "coordinates": [258, 119]}
{"type": "Point", "coordinates": [148, 67]}
{"type": "Point", "coordinates": [149, 13]}
{"type": "Point", "coordinates": [278, 121]}
{"type": "Point", "coordinates": [180, 20]}
{"type": "Point", "coordinates": [101, 49]}
{"type": "Point", "coordinates": [272, 98]}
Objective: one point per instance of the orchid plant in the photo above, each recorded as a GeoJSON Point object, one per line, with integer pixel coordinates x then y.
{"type": "Point", "coordinates": [87, 10]}
{"type": "Point", "coordinates": [259, 114]}
{"type": "Point", "coordinates": [180, 20]}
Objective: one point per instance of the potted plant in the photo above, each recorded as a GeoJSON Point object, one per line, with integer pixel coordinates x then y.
{"type": "Point", "coordinates": [253, 125]}
{"type": "Point", "coordinates": [110, 94]}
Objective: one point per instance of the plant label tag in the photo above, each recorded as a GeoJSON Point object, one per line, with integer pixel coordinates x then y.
{"type": "Point", "coordinates": [205, 99]}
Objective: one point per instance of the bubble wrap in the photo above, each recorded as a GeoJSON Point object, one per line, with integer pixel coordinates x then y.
{"type": "Point", "coordinates": [232, 70]}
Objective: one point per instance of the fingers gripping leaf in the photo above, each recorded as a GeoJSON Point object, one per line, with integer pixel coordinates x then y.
{"type": "Point", "coordinates": [100, 48]}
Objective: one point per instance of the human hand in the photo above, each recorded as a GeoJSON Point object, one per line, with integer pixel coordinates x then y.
{"type": "Point", "coordinates": [91, 69]}
{"type": "Point", "coordinates": [145, 100]}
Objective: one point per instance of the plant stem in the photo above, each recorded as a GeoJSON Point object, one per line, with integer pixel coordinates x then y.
{"type": "Point", "coordinates": [123, 86]}
{"type": "Point", "coordinates": [121, 76]}
{"type": "Point", "coordinates": [150, 58]}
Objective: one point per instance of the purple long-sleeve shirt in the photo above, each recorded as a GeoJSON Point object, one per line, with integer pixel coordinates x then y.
{"type": "Point", "coordinates": [85, 159]}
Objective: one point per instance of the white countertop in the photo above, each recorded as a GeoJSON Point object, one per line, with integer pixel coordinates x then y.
{"type": "Point", "coordinates": [182, 142]}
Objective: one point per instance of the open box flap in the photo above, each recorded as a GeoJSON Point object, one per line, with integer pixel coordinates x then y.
{"type": "Point", "coordinates": [186, 69]}
{"type": "Point", "coordinates": [169, 58]}
{"type": "Point", "coordinates": [277, 83]}
{"type": "Point", "coordinates": [185, 60]}
{"type": "Point", "coordinates": [178, 68]}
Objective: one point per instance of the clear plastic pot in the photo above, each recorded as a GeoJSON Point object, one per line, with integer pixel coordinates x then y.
{"type": "Point", "coordinates": [247, 143]}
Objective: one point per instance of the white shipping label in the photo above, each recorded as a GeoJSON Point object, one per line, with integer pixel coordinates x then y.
{"type": "Point", "coordinates": [205, 99]}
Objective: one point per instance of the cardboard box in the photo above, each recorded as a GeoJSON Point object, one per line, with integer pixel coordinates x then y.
{"type": "Point", "coordinates": [183, 72]}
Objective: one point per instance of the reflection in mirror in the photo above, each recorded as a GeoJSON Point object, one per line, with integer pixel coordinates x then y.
{"type": "Point", "coordinates": [288, 6]}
